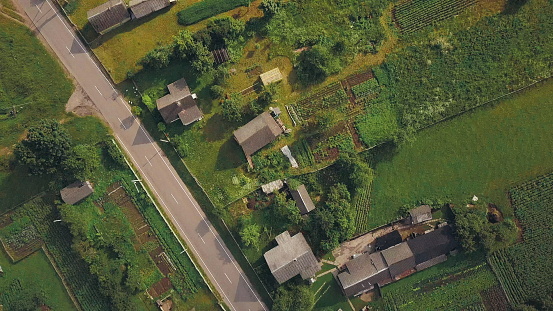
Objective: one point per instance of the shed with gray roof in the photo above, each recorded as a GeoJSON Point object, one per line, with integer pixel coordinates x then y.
{"type": "Point", "coordinates": [76, 192]}
{"type": "Point", "coordinates": [292, 256]}
{"type": "Point", "coordinates": [420, 214]}
{"type": "Point", "coordinates": [179, 104]}
{"type": "Point", "coordinates": [141, 8]}
{"type": "Point", "coordinates": [257, 133]}
{"type": "Point", "coordinates": [108, 15]}
{"type": "Point", "coordinates": [303, 200]}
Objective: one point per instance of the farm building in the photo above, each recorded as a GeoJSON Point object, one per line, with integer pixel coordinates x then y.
{"type": "Point", "coordinates": [179, 104]}
{"type": "Point", "coordinates": [141, 8]}
{"type": "Point", "coordinates": [388, 240]}
{"type": "Point", "coordinates": [76, 192]}
{"type": "Point", "coordinates": [364, 272]}
{"type": "Point", "coordinates": [270, 76]}
{"type": "Point", "coordinates": [420, 214]}
{"type": "Point", "coordinates": [108, 15]}
{"type": "Point", "coordinates": [257, 133]}
{"type": "Point", "coordinates": [303, 200]}
{"type": "Point", "coordinates": [292, 256]}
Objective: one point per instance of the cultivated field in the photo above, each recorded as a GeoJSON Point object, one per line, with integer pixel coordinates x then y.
{"type": "Point", "coordinates": [484, 152]}
{"type": "Point", "coordinates": [416, 14]}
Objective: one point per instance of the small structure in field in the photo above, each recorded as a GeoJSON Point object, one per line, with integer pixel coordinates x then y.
{"type": "Point", "coordinates": [141, 8]}
{"type": "Point", "coordinates": [220, 56]}
{"type": "Point", "coordinates": [108, 15]}
{"type": "Point", "coordinates": [292, 256]}
{"type": "Point", "coordinates": [179, 104]}
{"type": "Point", "coordinates": [303, 200]}
{"type": "Point", "coordinates": [257, 133]}
{"type": "Point", "coordinates": [270, 76]}
{"type": "Point", "coordinates": [420, 214]}
{"type": "Point", "coordinates": [1, 271]}
{"type": "Point", "coordinates": [272, 186]}
{"type": "Point", "coordinates": [388, 240]}
{"type": "Point", "coordinates": [76, 192]}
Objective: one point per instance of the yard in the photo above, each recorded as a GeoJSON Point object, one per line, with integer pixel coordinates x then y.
{"type": "Point", "coordinates": [483, 153]}
{"type": "Point", "coordinates": [34, 273]}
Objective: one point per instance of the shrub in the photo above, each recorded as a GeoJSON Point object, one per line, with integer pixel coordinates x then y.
{"type": "Point", "coordinates": [207, 8]}
{"type": "Point", "coordinates": [148, 102]}
{"type": "Point", "coordinates": [232, 108]}
{"type": "Point", "coordinates": [217, 91]}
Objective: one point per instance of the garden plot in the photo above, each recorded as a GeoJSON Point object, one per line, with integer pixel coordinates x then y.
{"type": "Point", "coordinates": [19, 238]}
{"type": "Point", "coordinates": [416, 14]}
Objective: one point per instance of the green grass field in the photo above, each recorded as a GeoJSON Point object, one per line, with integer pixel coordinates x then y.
{"type": "Point", "coordinates": [484, 152]}
{"type": "Point", "coordinates": [36, 267]}
{"type": "Point", "coordinates": [30, 79]}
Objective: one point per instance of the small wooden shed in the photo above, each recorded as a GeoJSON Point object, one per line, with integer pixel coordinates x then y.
{"type": "Point", "coordinates": [270, 76]}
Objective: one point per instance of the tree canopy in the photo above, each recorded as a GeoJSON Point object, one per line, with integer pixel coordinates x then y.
{"type": "Point", "coordinates": [294, 298]}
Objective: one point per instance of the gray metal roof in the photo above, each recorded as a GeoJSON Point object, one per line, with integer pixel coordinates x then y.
{"type": "Point", "coordinates": [420, 214]}
{"type": "Point", "coordinates": [303, 200]}
{"type": "Point", "coordinates": [141, 8]}
{"type": "Point", "coordinates": [76, 192]}
{"type": "Point", "coordinates": [292, 256]}
{"type": "Point", "coordinates": [108, 15]}
{"type": "Point", "coordinates": [257, 133]}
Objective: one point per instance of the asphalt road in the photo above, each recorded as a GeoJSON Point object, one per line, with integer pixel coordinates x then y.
{"type": "Point", "coordinates": [182, 209]}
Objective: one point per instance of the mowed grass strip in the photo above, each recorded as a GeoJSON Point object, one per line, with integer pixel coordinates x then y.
{"type": "Point", "coordinates": [484, 152]}
{"type": "Point", "coordinates": [30, 79]}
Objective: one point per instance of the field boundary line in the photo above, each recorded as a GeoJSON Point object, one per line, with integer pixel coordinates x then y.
{"type": "Point", "coordinates": [60, 275]}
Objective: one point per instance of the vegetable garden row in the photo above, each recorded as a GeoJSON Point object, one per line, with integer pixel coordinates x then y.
{"type": "Point", "coordinates": [524, 268]}
{"type": "Point", "coordinates": [416, 14]}
{"type": "Point", "coordinates": [207, 8]}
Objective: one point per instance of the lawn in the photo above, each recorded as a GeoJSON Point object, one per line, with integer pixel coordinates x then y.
{"type": "Point", "coordinates": [453, 285]}
{"type": "Point", "coordinates": [30, 79]}
{"type": "Point", "coordinates": [36, 268]}
{"type": "Point", "coordinates": [483, 153]}
{"type": "Point", "coordinates": [328, 294]}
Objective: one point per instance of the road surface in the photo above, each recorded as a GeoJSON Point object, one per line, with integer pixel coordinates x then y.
{"type": "Point", "coordinates": [182, 209]}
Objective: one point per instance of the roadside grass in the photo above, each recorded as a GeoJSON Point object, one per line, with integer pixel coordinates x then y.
{"type": "Point", "coordinates": [453, 285]}
{"type": "Point", "coordinates": [483, 153]}
{"type": "Point", "coordinates": [30, 79]}
{"type": "Point", "coordinates": [36, 267]}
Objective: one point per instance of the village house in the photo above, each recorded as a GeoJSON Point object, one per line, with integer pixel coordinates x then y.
{"type": "Point", "coordinates": [363, 273]}
{"type": "Point", "coordinates": [108, 16]}
{"type": "Point", "coordinates": [179, 104]}
{"type": "Point", "coordinates": [141, 8]}
{"type": "Point", "coordinates": [76, 192]}
{"type": "Point", "coordinates": [257, 133]}
{"type": "Point", "coordinates": [292, 256]}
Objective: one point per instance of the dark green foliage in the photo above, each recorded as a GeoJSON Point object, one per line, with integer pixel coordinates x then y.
{"type": "Point", "coordinates": [379, 124]}
{"type": "Point", "coordinates": [286, 209]}
{"type": "Point", "coordinates": [315, 64]}
{"type": "Point", "coordinates": [270, 7]}
{"type": "Point", "coordinates": [476, 232]}
{"type": "Point", "coordinates": [232, 108]}
{"type": "Point", "coordinates": [21, 295]}
{"type": "Point", "coordinates": [115, 154]}
{"type": "Point", "coordinates": [416, 14]}
{"type": "Point", "coordinates": [186, 47]}
{"type": "Point", "coordinates": [217, 91]}
{"type": "Point", "coordinates": [158, 58]}
{"type": "Point", "coordinates": [45, 148]}
{"type": "Point", "coordinates": [224, 30]}
{"type": "Point", "coordinates": [367, 88]}
{"type": "Point", "coordinates": [333, 222]}
{"type": "Point", "coordinates": [294, 298]}
{"type": "Point", "coordinates": [83, 161]}
{"type": "Point", "coordinates": [148, 102]}
{"type": "Point", "coordinates": [269, 166]}
{"type": "Point", "coordinates": [207, 8]}
{"type": "Point", "coordinates": [302, 153]}
{"type": "Point", "coordinates": [250, 233]}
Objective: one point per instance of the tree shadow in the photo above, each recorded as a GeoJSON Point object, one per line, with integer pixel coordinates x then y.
{"type": "Point", "coordinates": [383, 153]}
{"type": "Point", "coordinates": [512, 6]}
{"type": "Point", "coordinates": [230, 156]}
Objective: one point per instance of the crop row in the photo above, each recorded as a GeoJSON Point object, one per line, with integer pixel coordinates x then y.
{"type": "Point", "coordinates": [503, 269]}
{"type": "Point", "coordinates": [362, 204]}
{"type": "Point", "coordinates": [366, 89]}
{"type": "Point", "coordinates": [207, 8]}
{"type": "Point", "coordinates": [416, 14]}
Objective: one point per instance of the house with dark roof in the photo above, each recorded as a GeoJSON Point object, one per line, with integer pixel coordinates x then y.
{"type": "Point", "coordinates": [432, 248]}
{"type": "Point", "coordinates": [420, 214]}
{"type": "Point", "coordinates": [76, 192]}
{"type": "Point", "coordinates": [362, 273]}
{"type": "Point", "coordinates": [108, 15]}
{"type": "Point", "coordinates": [399, 259]}
{"type": "Point", "coordinates": [257, 133]}
{"type": "Point", "coordinates": [388, 240]}
{"type": "Point", "coordinates": [141, 8]}
{"type": "Point", "coordinates": [292, 256]}
{"type": "Point", "coordinates": [179, 104]}
{"type": "Point", "coordinates": [303, 200]}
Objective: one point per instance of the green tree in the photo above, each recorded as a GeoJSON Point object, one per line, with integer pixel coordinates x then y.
{"type": "Point", "coordinates": [136, 110]}
{"type": "Point", "coordinates": [158, 58]}
{"type": "Point", "coordinates": [83, 161]}
{"type": "Point", "coordinates": [22, 295]}
{"type": "Point", "coordinates": [232, 108]}
{"type": "Point", "coordinates": [287, 210]}
{"type": "Point", "coordinates": [44, 149]}
{"type": "Point", "coordinates": [294, 298]}
{"type": "Point", "coordinates": [315, 65]}
{"type": "Point", "coordinates": [223, 30]}
{"type": "Point", "coordinates": [270, 7]}
{"type": "Point", "coordinates": [250, 234]}
{"type": "Point", "coordinates": [217, 91]}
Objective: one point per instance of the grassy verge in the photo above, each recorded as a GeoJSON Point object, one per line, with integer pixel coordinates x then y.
{"type": "Point", "coordinates": [35, 267]}
{"type": "Point", "coordinates": [484, 152]}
